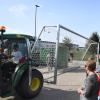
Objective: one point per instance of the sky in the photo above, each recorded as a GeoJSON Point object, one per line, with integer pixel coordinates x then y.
{"type": "Point", "coordinates": [82, 16]}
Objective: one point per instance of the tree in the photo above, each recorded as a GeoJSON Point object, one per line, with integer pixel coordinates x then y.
{"type": "Point", "coordinates": [67, 42]}
{"type": "Point", "coordinates": [95, 38]}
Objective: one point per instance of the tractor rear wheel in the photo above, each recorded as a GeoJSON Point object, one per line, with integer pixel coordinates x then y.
{"type": "Point", "coordinates": [27, 92]}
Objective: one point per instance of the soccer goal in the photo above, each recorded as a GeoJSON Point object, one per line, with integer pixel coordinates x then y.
{"type": "Point", "coordinates": [58, 49]}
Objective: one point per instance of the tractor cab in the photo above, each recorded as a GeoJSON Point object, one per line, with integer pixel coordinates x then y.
{"type": "Point", "coordinates": [9, 43]}
{"type": "Point", "coordinates": [18, 75]}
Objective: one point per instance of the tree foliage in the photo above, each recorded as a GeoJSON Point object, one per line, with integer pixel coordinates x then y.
{"type": "Point", "coordinates": [67, 42]}
{"type": "Point", "coordinates": [95, 38]}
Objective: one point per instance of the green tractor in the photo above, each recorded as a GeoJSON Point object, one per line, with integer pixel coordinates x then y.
{"type": "Point", "coordinates": [20, 78]}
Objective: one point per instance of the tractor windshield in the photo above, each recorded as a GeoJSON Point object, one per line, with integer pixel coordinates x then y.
{"type": "Point", "coordinates": [21, 46]}
{"type": "Point", "coordinates": [9, 40]}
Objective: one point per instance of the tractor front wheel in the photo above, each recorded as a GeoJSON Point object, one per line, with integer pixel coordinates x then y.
{"type": "Point", "coordinates": [27, 91]}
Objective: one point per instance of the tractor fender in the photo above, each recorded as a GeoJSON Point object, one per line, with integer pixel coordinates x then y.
{"type": "Point", "coordinates": [19, 71]}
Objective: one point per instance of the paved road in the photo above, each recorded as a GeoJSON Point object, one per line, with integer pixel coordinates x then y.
{"type": "Point", "coordinates": [65, 89]}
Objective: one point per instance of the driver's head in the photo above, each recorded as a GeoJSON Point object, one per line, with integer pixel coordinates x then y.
{"type": "Point", "coordinates": [15, 47]}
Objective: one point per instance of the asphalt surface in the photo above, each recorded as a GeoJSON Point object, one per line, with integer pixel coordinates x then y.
{"type": "Point", "coordinates": [65, 89]}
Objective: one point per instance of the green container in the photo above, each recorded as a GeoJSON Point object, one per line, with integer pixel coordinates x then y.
{"type": "Point", "coordinates": [63, 55]}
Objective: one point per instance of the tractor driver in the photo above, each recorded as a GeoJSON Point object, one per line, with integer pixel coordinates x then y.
{"type": "Point", "coordinates": [16, 54]}
{"type": "Point", "coordinates": [2, 55]}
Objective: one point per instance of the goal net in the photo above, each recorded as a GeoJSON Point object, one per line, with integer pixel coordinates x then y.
{"type": "Point", "coordinates": [58, 49]}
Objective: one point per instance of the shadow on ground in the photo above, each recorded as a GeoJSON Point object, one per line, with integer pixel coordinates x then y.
{"type": "Point", "coordinates": [77, 69]}
{"type": "Point", "coordinates": [68, 70]}
{"type": "Point", "coordinates": [57, 94]}
{"type": "Point", "coordinates": [71, 70]}
{"type": "Point", "coordinates": [54, 94]}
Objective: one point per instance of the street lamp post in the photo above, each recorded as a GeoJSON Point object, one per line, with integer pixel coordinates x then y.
{"type": "Point", "coordinates": [36, 6]}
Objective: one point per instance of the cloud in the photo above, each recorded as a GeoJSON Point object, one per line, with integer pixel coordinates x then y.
{"type": "Point", "coordinates": [18, 9]}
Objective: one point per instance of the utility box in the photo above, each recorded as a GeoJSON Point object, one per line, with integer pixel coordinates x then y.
{"type": "Point", "coordinates": [63, 55]}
